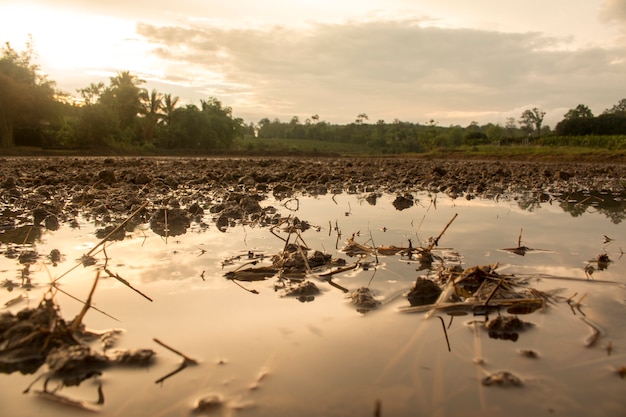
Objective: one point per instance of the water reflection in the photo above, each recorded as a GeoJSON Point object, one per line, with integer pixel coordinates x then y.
{"type": "Point", "coordinates": [611, 206]}
{"type": "Point", "coordinates": [21, 235]}
{"type": "Point", "coordinates": [326, 356]}
{"type": "Point", "coordinates": [170, 222]}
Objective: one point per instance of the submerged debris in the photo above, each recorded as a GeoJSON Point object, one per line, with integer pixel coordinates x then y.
{"type": "Point", "coordinates": [111, 232]}
{"type": "Point", "coordinates": [528, 353]}
{"type": "Point", "coordinates": [131, 357]}
{"type": "Point", "coordinates": [292, 263]}
{"type": "Point", "coordinates": [187, 361]}
{"type": "Point", "coordinates": [353, 248]}
{"type": "Point", "coordinates": [502, 379]}
{"type": "Point", "coordinates": [479, 290]}
{"type": "Point", "coordinates": [425, 291]}
{"type": "Point", "coordinates": [37, 336]}
{"type": "Point", "coordinates": [72, 364]}
{"type": "Point", "coordinates": [521, 249]}
{"type": "Point", "coordinates": [506, 327]}
{"type": "Point", "coordinates": [292, 260]}
{"type": "Point", "coordinates": [170, 222]}
{"type": "Point", "coordinates": [599, 263]}
{"type": "Point", "coordinates": [28, 257]}
{"type": "Point", "coordinates": [403, 202]}
{"type": "Point", "coordinates": [252, 274]}
{"type": "Point", "coordinates": [208, 404]}
{"type": "Point", "coordinates": [363, 299]}
{"type": "Point", "coordinates": [55, 257]}
{"type": "Point", "coordinates": [28, 337]}
{"type": "Point", "coordinates": [304, 291]}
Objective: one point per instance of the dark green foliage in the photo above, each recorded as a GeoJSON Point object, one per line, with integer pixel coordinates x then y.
{"type": "Point", "coordinates": [127, 117]}
{"type": "Point", "coordinates": [605, 124]}
{"type": "Point", "coordinates": [581, 122]}
{"type": "Point", "coordinates": [615, 142]}
{"type": "Point", "coordinates": [120, 115]}
{"type": "Point", "coordinates": [208, 128]}
{"type": "Point", "coordinates": [476, 138]}
{"type": "Point", "coordinates": [26, 98]}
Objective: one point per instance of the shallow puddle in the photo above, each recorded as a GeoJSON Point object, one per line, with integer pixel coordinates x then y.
{"type": "Point", "coordinates": [262, 353]}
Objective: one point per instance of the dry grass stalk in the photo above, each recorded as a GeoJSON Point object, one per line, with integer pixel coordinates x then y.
{"type": "Point", "coordinates": [79, 319]}
{"type": "Point", "coordinates": [435, 242]}
{"type": "Point", "coordinates": [187, 361]}
{"type": "Point", "coordinates": [476, 307]}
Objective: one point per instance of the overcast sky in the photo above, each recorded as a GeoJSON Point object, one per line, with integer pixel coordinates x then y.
{"type": "Point", "coordinates": [453, 61]}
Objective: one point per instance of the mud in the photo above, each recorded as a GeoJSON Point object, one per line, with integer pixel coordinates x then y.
{"type": "Point", "coordinates": [46, 191]}
{"type": "Point", "coordinates": [172, 194]}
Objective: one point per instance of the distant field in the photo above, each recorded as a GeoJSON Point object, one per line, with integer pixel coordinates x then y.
{"type": "Point", "coordinates": [579, 149]}
{"type": "Point", "coordinates": [527, 152]}
{"type": "Point", "coordinates": [568, 153]}
{"type": "Point", "coordinates": [302, 145]}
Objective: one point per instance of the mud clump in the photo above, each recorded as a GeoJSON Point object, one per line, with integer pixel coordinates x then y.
{"type": "Point", "coordinates": [170, 222]}
{"type": "Point", "coordinates": [403, 202]}
{"type": "Point", "coordinates": [424, 292]}
{"type": "Point", "coordinates": [506, 327]}
{"type": "Point", "coordinates": [304, 291]}
{"type": "Point", "coordinates": [39, 336]}
{"type": "Point", "coordinates": [363, 299]}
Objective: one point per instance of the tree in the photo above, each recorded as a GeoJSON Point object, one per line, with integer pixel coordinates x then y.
{"type": "Point", "coordinates": [618, 109]}
{"type": "Point", "coordinates": [532, 120]}
{"type": "Point", "coordinates": [168, 107]}
{"type": "Point", "coordinates": [152, 106]}
{"type": "Point", "coordinates": [111, 114]}
{"type": "Point", "coordinates": [510, 127]}
{"type": "Point", "coordinates": [495, 133]}
{"type": "Point", "coordinates": [26, 97]}
{"type": "Point", "coordinates": [581, 122]}
{"type": "Point", "coordinates": [208, 127]}
{"type": "Point", "coordinates": [581, 111]}
{"type": "Point", "coordinates": [360, 118]}
{"type": "Point", "coordinates": [124, 96]}
{"type": "Point", "coordinates": [91, 95]}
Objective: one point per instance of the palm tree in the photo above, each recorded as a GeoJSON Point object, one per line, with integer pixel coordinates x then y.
{"type": "Point", "coordinates": [124, 95]}
{"type": "Point", "coordinates": [152, 105]}
{"type": "Point", "coordinates": [168, 107]}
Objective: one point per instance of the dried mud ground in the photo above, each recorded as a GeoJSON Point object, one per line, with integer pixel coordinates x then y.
{"type": "Point", "coordinates": [48, 189]}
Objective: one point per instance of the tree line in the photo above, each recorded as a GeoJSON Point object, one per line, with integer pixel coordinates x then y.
{"type": "Point", "coordinates": [121, 115]}
{"type": "Point", "coordinates": [399, 136]}
{"type": "Point", "coordinates": [125, 116]}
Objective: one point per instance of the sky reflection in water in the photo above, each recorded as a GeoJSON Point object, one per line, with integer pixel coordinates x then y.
{"type": "Point", "coordinates": [325, 358]}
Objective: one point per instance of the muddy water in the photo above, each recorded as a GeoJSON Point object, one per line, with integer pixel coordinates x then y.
{"type": "Point", "coordinates": [269, 355]}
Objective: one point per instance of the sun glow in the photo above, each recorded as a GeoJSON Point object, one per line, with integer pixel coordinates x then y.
{"type": "Point", "coordinates": [73, 41]}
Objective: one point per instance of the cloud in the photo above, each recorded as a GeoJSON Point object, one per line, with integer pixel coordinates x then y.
{"type": "Point", "coordinates": [614, 10]}
{"type": "Point", "coordinates": [388, 69]}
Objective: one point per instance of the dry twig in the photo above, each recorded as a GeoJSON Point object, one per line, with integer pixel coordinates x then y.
{"type": "Point", "coordinates": [187, 361]}
{"type": "Point", "coordinates": [435, 242]}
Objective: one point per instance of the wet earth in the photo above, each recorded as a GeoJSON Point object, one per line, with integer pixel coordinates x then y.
{"type": "Point", "coordinates": [44, 191]}
{"type": "Point", "coordinates": [170, 194]}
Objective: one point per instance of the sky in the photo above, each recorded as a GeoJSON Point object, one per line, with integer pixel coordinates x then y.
{"type": "Point", "coordinates": [450, 61]}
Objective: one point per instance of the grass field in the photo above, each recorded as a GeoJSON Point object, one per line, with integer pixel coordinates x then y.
{"type": "Point", "coordinates": [526, 152]}
{"type": "Point", "coordinates": [301, 145]}
{"type": "Point", "coordinates": [311, 148]}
